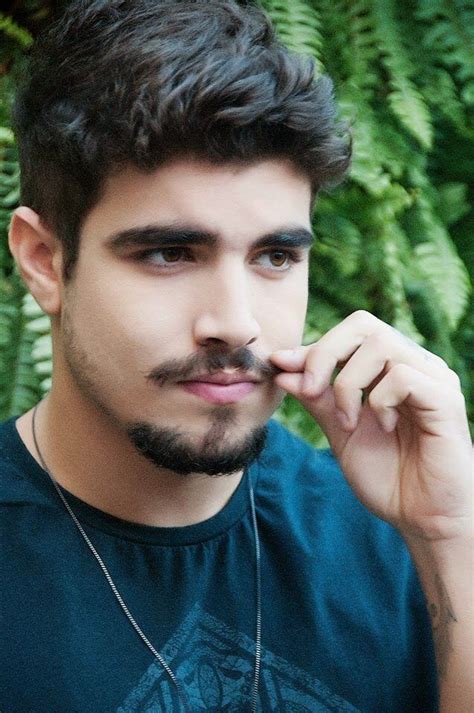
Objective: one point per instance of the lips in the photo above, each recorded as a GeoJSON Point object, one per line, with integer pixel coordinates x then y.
{"type": "Point", "coordinates": [218, 392]}
{"type": "Point", "coordinates": [225, 378]}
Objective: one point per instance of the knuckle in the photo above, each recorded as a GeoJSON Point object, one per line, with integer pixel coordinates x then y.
{"type": "Point", "coordinates": [362, 316]}
{"type": "Point", "coordinates": [359, 314]}
{"type": "Point", "coordinates": [457, 403]}
{"type": "Point", "coordinates": [454, 378]}
{"type": "Point", "coordinates": [436, 358]}
{"type": "Point", "coordinates": [374, 399]}
{"type": "Point", "coordinates": [401, 371]}
{"type": "Point", "coordinates": [318, 353]}
{"type": "Point", "coordinates": [320, 347]}
{"type": "Point", "coordinates": [461, 400]}
{"type": "Point", "coordinates": [341, 383]}
{"type": "Point", "coordinates": [379, 338]}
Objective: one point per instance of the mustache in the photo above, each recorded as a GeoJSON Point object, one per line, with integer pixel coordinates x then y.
{"type": "Point", "coordinates": [212, 361]}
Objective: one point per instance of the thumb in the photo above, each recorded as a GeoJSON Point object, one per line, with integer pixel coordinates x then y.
{"type": "Point", "coordinates": [321, 407]}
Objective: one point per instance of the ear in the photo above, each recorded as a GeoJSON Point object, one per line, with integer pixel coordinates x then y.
{"type": "Point", "coordinates": [38, 255]}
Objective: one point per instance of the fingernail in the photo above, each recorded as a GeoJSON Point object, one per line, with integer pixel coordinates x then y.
{"type": "Point", "coordinates": [308, 380]}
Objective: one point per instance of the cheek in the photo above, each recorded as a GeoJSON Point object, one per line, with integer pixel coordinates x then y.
{"type": "Point", "coordinates": [135, 326]}
{"type": "Point", "coordinates": [285, 314]}
{"type": "Point", "coordinates": [123, 327]}
{"type": "Point", "coordinates": [287, 329]}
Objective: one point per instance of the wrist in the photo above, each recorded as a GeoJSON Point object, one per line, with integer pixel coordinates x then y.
{"type": "Point", "coordinates": [450, 536]}
{"type": "Point", "coordinates": [444, 553]}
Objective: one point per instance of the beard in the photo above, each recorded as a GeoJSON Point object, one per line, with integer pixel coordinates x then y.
{"type": "Point", "coordinates": [173, 449]}
{"type": "Point", "coordinates": [217, 453]}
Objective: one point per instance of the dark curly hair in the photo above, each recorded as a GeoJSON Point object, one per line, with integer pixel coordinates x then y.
{"type": "Point", "coordinates": [116, 82]}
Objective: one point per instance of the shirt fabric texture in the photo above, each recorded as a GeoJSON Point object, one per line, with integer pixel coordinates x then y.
{"type": "Point", "coordinates": [345, 626]}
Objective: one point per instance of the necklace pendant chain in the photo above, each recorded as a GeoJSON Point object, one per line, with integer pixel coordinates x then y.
{"type": "Point", "coordinates": [172, 676]}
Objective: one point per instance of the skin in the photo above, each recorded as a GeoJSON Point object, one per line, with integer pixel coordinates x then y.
{"type": "Point", "coordinates": [120, 319]}
{"type": "Point", "coordinates": [406, 452]}
{"type": "Point", "coordinates": [403, 444]}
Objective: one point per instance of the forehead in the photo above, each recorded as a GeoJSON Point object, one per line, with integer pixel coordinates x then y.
{"type": "Point", "coordinates": [235, 201]}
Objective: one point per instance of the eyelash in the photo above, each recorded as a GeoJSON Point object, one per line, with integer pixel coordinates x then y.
{"type": "Point", "coordinates": [293, 256]}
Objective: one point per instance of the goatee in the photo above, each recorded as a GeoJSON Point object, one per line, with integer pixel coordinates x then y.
{"type": "Point", "coordinates": [172, 449]}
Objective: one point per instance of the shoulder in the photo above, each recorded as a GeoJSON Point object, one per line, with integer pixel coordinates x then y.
{"type": "Point", "coordinates": [18, 470]}
{"type": "Point", "coordinates": [9, 446]}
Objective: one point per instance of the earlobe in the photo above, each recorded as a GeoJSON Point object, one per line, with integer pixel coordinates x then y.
{"type": "Point", "coordinates": [36, 251]}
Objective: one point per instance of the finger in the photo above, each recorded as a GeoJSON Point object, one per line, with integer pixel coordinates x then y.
{"type": "Point", "coordinates": [341, 342]}
{"type": "Point", "coordinates": [291, 382]}
{"type": "Point", "coordinates": [322, 408]}
{"type": "Point", "coordinates": [436, 408]}
{"type": "Point", "coordinates": [294, 359]}
{"type": "Point", "coordinates": [336, 346]}
{"type": "Point", "coordinates": [290, 359]}
{"type": "Point", "coordinates": [376, 356]}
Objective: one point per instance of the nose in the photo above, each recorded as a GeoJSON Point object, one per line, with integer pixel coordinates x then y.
{"type": "Point", "coordinates": [225, 313]}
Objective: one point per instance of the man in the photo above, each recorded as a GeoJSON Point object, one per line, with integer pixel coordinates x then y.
{"type": "Point", "coordinates": [166, 545]}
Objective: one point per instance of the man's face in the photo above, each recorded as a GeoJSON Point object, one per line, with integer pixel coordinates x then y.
{"type": "Point", "coordinates": [135, 327]}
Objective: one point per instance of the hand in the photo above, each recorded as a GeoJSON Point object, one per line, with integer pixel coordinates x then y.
{"type": "Point", "coordinates": [406, 451]}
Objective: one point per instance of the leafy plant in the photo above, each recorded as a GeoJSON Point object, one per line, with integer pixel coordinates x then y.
{"type": "Point", "coordinates": [395, 240]}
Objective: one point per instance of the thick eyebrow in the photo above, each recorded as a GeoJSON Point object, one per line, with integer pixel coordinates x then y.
{"type": "Point", "coordinates": [184, 235]}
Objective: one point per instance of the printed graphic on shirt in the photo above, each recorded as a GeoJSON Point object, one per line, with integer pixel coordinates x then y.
{"type": "Point", "coordinates": [191, 654]}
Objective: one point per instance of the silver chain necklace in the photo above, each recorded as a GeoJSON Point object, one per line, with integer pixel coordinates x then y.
{"type": "Point", "coordinates": [258, 648]}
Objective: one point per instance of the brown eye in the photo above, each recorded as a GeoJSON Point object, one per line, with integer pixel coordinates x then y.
{"type": "Point", "coordinates": [281, 258]}
{"type": "Point", "coordinates": [164, 258]}
{"type": "Point", "coordinates": [172, 254]}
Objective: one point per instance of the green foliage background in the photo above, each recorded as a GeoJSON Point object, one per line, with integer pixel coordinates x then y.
{"type": "Point", "coordinates": [395, 239]}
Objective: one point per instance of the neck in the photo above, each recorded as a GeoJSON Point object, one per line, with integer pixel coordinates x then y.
{"type": "Point", "coordinates": [96, 463]}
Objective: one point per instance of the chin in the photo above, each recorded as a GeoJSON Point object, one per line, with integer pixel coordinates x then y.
{"type": "Point", "coordinates": [218, 451]}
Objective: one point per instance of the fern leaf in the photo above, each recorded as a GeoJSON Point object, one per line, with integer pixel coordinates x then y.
{"type": "Point", "coordinates": [298, 26]}
{"type": "Point", "coordinates": [19, 384]}
{"type": "Point", "coordinates": [6, 136]}
{"type": "Point", "coordinates": [438, 263]}
{"type": "Point", "coordinates": [17, 33]}
{"type": "Point", "coordinates": [452, 204]}
{"type": "Point", "coordinates": [395, 256]}
{"type": "Point", "coordinates": [449, 30]}
{"type": "Point", "coordinates": [404, 98]}
{"type": "Point", "coordinates": [339, 240]}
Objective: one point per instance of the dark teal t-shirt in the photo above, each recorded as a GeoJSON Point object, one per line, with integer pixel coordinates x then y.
{"type": "Point", "coordinates": [344, 622]}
